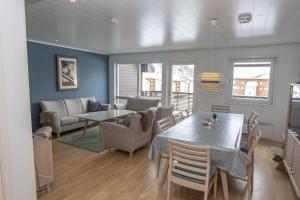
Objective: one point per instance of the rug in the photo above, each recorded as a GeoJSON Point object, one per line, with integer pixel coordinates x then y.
{"type": "Point", "coordinates": [91, 141]}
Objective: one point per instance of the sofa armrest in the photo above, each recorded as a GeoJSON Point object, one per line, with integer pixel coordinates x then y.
{"type": "Point", "coordinates": [51, 119]}
{"type": "Point", "coordinates": [120, 106]}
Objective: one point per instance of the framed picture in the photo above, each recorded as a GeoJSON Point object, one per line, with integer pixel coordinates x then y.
{"type": "Point", "coordinates": [67, 72]}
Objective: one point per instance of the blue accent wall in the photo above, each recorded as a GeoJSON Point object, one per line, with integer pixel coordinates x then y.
{"type": "Point", "coordinates": [92, 69]}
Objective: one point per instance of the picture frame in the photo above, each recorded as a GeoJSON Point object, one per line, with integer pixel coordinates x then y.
{"type": "Point", "coordinates": [67, 73]}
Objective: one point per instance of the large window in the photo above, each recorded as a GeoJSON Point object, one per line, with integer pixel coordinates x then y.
{"type": "Point", "coordinates": [138, 80]}
{"type": "Point", "coordinates": [252, 80]}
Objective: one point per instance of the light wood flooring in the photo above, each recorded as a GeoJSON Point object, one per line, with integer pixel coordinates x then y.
{"type": "Point", "coordinates": [84, 175]}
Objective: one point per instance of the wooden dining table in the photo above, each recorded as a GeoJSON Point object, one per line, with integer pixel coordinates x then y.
{"type": "Point", "coordinates": [223, 137]}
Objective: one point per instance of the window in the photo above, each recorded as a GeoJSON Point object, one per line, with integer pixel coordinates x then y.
{"type": "Point", "coordinates": [138, 80]}
{"type": "Point", "coordinates": [252, 80]}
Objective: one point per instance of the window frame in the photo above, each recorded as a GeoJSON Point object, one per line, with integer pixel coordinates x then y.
{"type": "Point", "coordinates": [249, 100]}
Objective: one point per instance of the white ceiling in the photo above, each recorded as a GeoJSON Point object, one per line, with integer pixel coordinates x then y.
{"type": "Point", "coordinates": [156, 25]}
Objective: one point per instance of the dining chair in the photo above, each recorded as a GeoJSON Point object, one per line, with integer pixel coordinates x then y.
{"type": "Point", "coordinates": [255, 138]}
{"type": "Point", "coordinates": [178, 117]}
{"type": "Point", "coordinates": [246, 141]}
{"type": "Point", "coordinates": [163, 125]}
{"type": "Point", "coordinates": [220, 108]}
{"type": "Point", "coordinates": [190, 166]}
{"type": "Point", "coordinates": [189, 112]}
{"type": "Point", "coordinates": [253, 116]}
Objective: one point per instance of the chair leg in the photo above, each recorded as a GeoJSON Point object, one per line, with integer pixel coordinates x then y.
{"type": "Point", "coordinates": [169, 190]}
{"type": "Point", "coordinates": [131, 155]}
{"type": "Point", "coordinates": [205, 195]}
{"type": "Point", "coordinates": [158, 165]}
{"type": "Point", "coordinates": [215, 185]}
{"type": "Point", "coordinates": [109, 149]}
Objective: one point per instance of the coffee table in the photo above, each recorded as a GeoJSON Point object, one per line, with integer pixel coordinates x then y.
{"type": "Point", "coordinates": [103, 116]}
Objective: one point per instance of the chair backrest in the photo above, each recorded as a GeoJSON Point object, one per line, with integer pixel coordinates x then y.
{"type": "Point", "coordinates": [178, 117]}
{"type": "Point", "coordinates": [252, 126]}
{"type": "Point", "coordinates": [251, 118]}
{"type": "Point", "coordinates": [190, 161]}
{"type": "Point", "coordinates": [164, 124]}
{"type": "Point", "coordinates": [189, 111]}
{"type": "Point", "coordinates": [220, 108]}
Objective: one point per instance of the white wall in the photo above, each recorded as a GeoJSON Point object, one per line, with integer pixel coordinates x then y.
{"type": "Point", "coordinates": [286, 71]}
{"type": "Point", "coordinates": [16, 149]}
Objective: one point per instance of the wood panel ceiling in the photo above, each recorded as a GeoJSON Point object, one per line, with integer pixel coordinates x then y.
{"type": "Point", "coordinates": [156, 25]}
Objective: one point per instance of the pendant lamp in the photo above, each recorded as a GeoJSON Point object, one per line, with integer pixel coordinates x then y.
{"type": "Point", "coordinates": [210, 80]}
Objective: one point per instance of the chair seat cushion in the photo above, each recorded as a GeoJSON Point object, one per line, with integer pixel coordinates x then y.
{"type": "Point", "coordinates": [69, 120]}
{"type": "Point", "coordinates": [213, 169]}
{"type": "Point", "coordinates": [244, 146]}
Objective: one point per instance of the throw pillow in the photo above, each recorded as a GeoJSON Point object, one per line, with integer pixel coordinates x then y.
{"type": "Point", "coordinates": [94, 106]}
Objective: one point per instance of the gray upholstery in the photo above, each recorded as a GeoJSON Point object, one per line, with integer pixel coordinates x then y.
{"type": "Point", "coordinates": [68, 120]}
{"type": "Point", "coordinates": [62, 115]}
{"type": "Point", "coordinates": [133, 104]}
{"type": "Point", "coordinates": [55, 106]}
{"type": "Point", "coordinates": [138, 104]}
{"type": "Point", "coordinates": [127, 138]}
{"type": "Point", "coordinates": [74, 106]}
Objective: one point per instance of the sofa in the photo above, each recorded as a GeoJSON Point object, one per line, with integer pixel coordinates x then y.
{"type": "Point", "coordinates": [63, 115]}
{"type": "Point", "coordinates": [130, 136]}
{"type": "Point", "coordinates": [137, 104]}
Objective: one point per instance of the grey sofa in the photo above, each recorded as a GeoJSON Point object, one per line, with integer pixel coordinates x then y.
{"type": "Point", "coordinates": [62, 115]}
{"type": "Point", "coordinates": [128, 137]}
{"type": "Point", "coordinates": [137, 104]}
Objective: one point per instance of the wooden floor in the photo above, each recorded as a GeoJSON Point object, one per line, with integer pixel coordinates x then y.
{"type": "Point", "coordinates": [83, 175]}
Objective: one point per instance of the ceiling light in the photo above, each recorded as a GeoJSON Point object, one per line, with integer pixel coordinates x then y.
{"type": "Point", "coordinates": [56, 40]}
{"type": "Point", "coordinates": [114, 21]}
{"type": "Point", "coordinates": [244, 18]}
{"type": "Point", "coordinates": [73, 1]}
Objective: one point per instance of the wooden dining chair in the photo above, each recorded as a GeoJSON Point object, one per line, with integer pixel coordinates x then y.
{"type": "Point", "coordinates": [246, 140]}
{"type": "Point", "coordinates": [220, 108]}
{"type": "Point", "coordinates": [255, 138]}
{"type": "Point", "coordinates": [163, 125]}
{"type": "Point", "coordinates": [178, 117]}
{"type": "Point", "coordinates": [190, 166]}
{"type": "Point", "coordinates": [189, 112]}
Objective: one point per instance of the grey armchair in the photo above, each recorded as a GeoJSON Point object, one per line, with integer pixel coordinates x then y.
{"type": "Point", "coordinates": [128, 137]}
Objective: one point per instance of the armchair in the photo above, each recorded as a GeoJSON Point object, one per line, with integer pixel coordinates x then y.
{"type": "Point", "coordinates": [128, 137]}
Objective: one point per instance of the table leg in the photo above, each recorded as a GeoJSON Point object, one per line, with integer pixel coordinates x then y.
{"type": "Point", "coordinates": [100, 130]}
{"type": "Point", "coordinates": [225, 184]}
{"type": "Point", "coordinates": [164, 172]}
{"type": "Point", "coordinates": [85, 127]}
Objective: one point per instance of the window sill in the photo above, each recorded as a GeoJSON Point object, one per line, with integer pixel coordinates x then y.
{"type": "Point", "coordinates": [251, 101]}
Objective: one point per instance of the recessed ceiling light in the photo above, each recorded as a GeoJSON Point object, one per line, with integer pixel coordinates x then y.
{"type": "Point", "coordinates": [97, 48]}
{"type": "Point", "coordinates": [114, 21]}
{"type": "Point", "coordinates": [73, 1]}
{"type": "Point", "coordinates": [56, 40]}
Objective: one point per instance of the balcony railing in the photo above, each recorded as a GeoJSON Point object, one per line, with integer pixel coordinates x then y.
{"type": "Point", "coordinates": [180, 100]}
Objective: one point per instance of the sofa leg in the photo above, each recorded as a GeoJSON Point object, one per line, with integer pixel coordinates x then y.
{"type": "Point", "coordinates": [131, 155]}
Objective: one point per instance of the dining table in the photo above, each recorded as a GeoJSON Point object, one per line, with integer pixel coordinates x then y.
{"type": "Point", "coordinates": [223, 137]}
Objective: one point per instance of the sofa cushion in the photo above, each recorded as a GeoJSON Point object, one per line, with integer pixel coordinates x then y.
{"type": "Point", "coordinates": [84, 103]}
{"type": "Point", "coordinates": [148, 103]}
{"type": "Point", "coordinates": [94, 106]}
{"type": "Point", "coordinates": [54, 106]}
{"type": "Point", "coordinates": [74, 106]}
{"type": "Point", "coordinates": [69, 120]}
{"type": "Point", "coordinates": [133, 104]}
